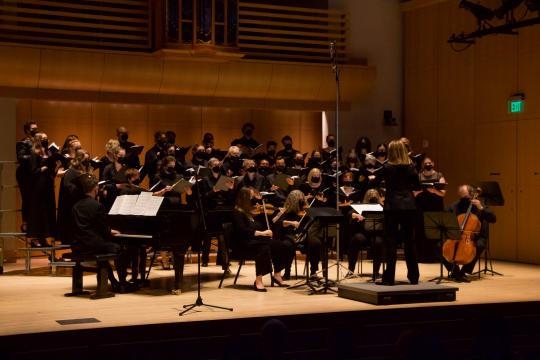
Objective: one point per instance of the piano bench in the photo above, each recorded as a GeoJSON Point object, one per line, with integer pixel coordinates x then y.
{"type": "Point", "coordinates": [101, 269]}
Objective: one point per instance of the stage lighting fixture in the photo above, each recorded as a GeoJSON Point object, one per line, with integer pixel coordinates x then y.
{"type": "Point", "coordinates": [507, 7]}
{"type": "Point", "coordinates": [481, 13]}
{"type": "Point", "coordinates": [533, 5]}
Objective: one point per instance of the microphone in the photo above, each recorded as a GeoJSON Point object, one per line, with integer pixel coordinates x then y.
{"type": "Point", "coordinates": [332, 51]}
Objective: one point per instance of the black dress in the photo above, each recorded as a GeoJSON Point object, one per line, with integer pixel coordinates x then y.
{"type": "Point", "coordinates": [42, 205]}
{"type": "Point", "coordinates": [400, 212]}
{"type": "Point", "coordinates": [264, 250]}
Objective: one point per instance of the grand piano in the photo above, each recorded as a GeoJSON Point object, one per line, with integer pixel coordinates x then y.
{"type": "Point", "coordinates": [171, 229]}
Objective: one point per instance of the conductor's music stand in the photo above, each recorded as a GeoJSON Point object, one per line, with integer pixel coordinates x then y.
{"type": "Point", "coordinates": [440, 225]}
{"type": "Point", "coordinates": [492, 196]}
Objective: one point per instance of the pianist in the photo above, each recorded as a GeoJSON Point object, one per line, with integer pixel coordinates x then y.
{"type": "Point", "coordinates": [93, 235]}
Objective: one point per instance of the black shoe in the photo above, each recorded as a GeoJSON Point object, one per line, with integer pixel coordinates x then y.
{"type": "Point", "coordinates": [414, 282]}
{"type": "Point", "coordinates": [275, 281]}
{"type": "Point", "coordinates": [257, 289]}
{"type": "Point", "coordinates": [124, 288]}
{"type": "Point", "coordinates": [287, 274]}
{"type": "Point", "coordinates": [385, 283]}
{"type": "Point", "coordinates": [204, 264]}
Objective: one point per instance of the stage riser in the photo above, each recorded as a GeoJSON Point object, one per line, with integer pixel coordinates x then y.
{"type": "Point", "coordinates": [362, 335]}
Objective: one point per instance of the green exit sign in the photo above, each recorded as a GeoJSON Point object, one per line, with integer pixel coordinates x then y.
{"type": "Point", "coordinates": [516, 106]}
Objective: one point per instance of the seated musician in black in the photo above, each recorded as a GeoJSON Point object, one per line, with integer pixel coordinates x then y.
{"type": "Point", "coordinates": [252, 240]}
{"type": "Point", "coordinates": [368, 233]}
{"type": "Point", "coordinates": [218, 205]}
{"type": "Point", "coordinates": [485, 215]}
{"type": "Point", "coordinates": [92, 235]}
{"type": "Point", "coordinates": [289, 223]}
{"type": "Point", "coordinates": [251, 178]}
{"type": "Point", "coordinates": [348, 195]}
{"type": "Point", "coordinates": [314, 192]}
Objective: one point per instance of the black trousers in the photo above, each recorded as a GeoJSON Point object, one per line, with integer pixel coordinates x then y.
{"type": "Point", "coordinates": [402, 222]}
{"type": "Point", "coordinates": [358, 240]}
{"type": "Point", "coordinates": [314, 244]}
{"type": "Point", "coordinates": [266, 252]}
{"type": "Point", "coordinates": [467, 268]}
{"type": "Point", "coordinates": [121, 262]}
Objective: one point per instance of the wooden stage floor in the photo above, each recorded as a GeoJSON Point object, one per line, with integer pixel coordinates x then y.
{"type": "Point", "coordinates": [33, 303]}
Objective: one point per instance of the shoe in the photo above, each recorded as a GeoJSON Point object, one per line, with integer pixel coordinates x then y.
{"type": "Point", "coordinates": [287, 274]}
{"type": "Point", "coordinates": [349, 274]}
{"type": "Point", "coordinates": [275, 281]}
{"type": "Point", "coordinates": [413, 282]}
{"type": "Point", "coordinates": [385, 283]}
{"type": "Point", "coordinates": [257, 289]}
{"type": "Point", "coordinates": [464, 278]}
{"type": "Point", "coordinates": [35, 243]}
{"type": "Point", "coordinates": [124, 288]}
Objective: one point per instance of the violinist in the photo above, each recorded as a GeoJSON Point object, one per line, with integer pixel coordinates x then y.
{"type": "Point", "coordinates": [254, 240]}
{"type": "Point", "coordinates": [485, 215]}
{"type": "Point", "coordinates": [288, 222]}
{"type": "Point", "coordinates": [362, 232]}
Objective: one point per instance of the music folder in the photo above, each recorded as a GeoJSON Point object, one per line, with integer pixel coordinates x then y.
{"type": "Point", "coordinates": [437, 185]}
{"type": "Point", "coordinates": [280, 180]}
{"type": "Point", "coordinates": [360, 208]}
{"type": "Point", "coordinates": [181, 186]}
{"type": "Point", "coordinates": [221, 184]}
{"type": "Point", "coordinates": [136, 149]}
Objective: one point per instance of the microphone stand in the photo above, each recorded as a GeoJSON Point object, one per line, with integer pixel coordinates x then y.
{"type": "Point", "coordinates": [335, 70]}
{"type": "Point", "coordinates": [199, 301]}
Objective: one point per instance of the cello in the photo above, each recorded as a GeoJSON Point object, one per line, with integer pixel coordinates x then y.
{"type": "Point", "coordinates": [463, 251]}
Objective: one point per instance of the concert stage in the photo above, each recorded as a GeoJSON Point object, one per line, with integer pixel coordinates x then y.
{"type": "Point", "coordinates": [146, 323]}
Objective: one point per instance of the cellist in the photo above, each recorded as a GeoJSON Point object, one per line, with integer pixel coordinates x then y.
{"type": "Point", "coordinates": [485, 215]}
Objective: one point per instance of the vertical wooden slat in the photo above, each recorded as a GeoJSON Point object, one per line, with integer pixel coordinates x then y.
{"type": "Point", "coordinates": [180, 21]}
{"type": "Point", "coordinates": [213, 29]}
{"type": "Point", "coordinates": [226, 23]}
{"type": "Point", "coordinates": [194, 36]}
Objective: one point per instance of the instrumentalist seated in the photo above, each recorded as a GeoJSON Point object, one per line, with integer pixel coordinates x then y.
{"type": "Point", "coordinates": [485, 215]}
{"type": "Point", "coordinates": [251, 240]}
{"type": "Point", "coordinates": [363, 234]}
{"type": "Point", "coordinates": [92, 234]}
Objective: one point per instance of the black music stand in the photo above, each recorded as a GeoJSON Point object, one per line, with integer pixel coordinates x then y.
{"type": "Point", "coordinates": [492, 195]}
{"type": "Point", "coordinates": [440, 225]}
{"type": "Point", "coordinates": [199, 300]}
{"type": "Point", "coordinates": [325, 216]}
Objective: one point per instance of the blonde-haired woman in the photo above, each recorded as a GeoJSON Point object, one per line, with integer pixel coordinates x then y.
{"type": "Point", "coordinates": [401, 180]}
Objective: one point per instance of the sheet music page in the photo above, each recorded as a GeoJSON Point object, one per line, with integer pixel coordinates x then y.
{"type": "Point", "coordinates": [127, 206]}
{"type": "Point", "coordinates": [359, 208]}
{"type": "Point", "coordinates": [115, 209]}
{"type": "Point", "coordinates": [148, 205]}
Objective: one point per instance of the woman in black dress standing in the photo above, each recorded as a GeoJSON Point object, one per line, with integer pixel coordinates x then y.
{"type": "Point", "coordinates": [401, 180]}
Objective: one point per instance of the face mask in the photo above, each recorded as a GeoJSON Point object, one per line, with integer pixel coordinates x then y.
{"type": "Point", "coordinates": [162, 143]}
{"type": "Point", "coordinates": [288, 146]}
{"type": "Point", "coordinates": [317, 159]}
{"type": "Point", "coordinates": [299, 161]}
{"type": "Point", "coordinates": [215, 169]}
{"type": "Point", "coordinates": [373, 200]}
{"type": "Point", "coordinates": [315, 179]}
{"type": "Point", "coordinates": [252, 170]}
{"type": "Point", "coordinates": [45, 143]}
{"type": "Point", "coordinates": [331, 142]}
{"type": "Point", "coordinates": [86, 163]}
{"type": "Point", "coordinates": [264, 171]}
{"type": "Point", "coordinates": [281, 168]}
{"type": "Point", "coordinates": [33, 132]}
{"type": "Point", "coordinates": [428, 167]}
{"type": "Point", "coordinates": [271, 152]}
{"type": "Point", "coordinates": [248, 132]}
{"type": "Point", "coordinates": [123, 137]}
{"type": "Point", "coordinates": [122, 160]}
{"type": "Point", "coordinates": [381, 154]}
{"type": "Point", "coordinates": [170, 170]}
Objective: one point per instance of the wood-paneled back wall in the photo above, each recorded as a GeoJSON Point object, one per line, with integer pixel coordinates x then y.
{"type": "Point", "coordinates": [95, 123]}
{"type": "Point", "coordinates": [456, 103]}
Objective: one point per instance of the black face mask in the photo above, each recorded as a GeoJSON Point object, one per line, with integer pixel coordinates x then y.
{"type": "Point", "coordinates": [347, 183]}
{"type": "Point", "coordinates": [288, 146]}
{"type": "Point", "coordinates": [162, 143]}
{"type": "Point", "coordinates": [45, 143]}
{"type": "Point", "coordinates": [86, 163]}
{"type": "Point", "coordinates": [264, 171]}
{"type": "Point", "coordinates": [123, 137]}
{"type": "Point", "coordinates": [33, 132]}
{"type": "Point", "coordinates": [215, 170]}
{"type": "Point", "coordinates": [248, 132]}
{"type": "Point", "coordinates": [271, 152]}
{"type": "Point", "coordinates": [373, 200]}
{"type": "Point", "coordinates": [252, 169]}
{"type": "Point", "coordinates": [281, 168]}
{"type": "Point", "coordinates": [317, 160]}
{"type": "Point", "coordinates": [428, 167]}
{"type": "Point", "coordinates": [169, 170]}
{"type": "Point", "coordinates": [381, 154]}
{"type": "Point", "coordinates": [315, 179]}
{"type": "Point", "coordinates": [331, 143]}
{"type": "Point", "coordinates": [299, 161]}
{"type": "Point", "coordinates": [122, 160]}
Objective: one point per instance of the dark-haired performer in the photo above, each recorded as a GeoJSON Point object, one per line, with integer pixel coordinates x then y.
{"type": "Point", "coordinates": [92, 235]}
{"type": "Point", "coordinates": [24, 156]}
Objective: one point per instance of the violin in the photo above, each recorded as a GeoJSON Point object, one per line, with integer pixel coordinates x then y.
{"type": "Point", "coordinates": [267, 209]}
{"type": "Point", "coordinates": [463, 251]}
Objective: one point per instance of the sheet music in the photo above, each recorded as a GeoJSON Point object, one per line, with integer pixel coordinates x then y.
{"type": "Point", "coordinates": [147, 205]}
{"type": "Point", "coordinates": [143, 205]}
{"type": "Point", "coordinates": [359, 208]}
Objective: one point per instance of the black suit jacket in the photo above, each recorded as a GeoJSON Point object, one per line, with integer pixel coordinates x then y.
{"type": "Point", "coordinates": [91, 231]}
